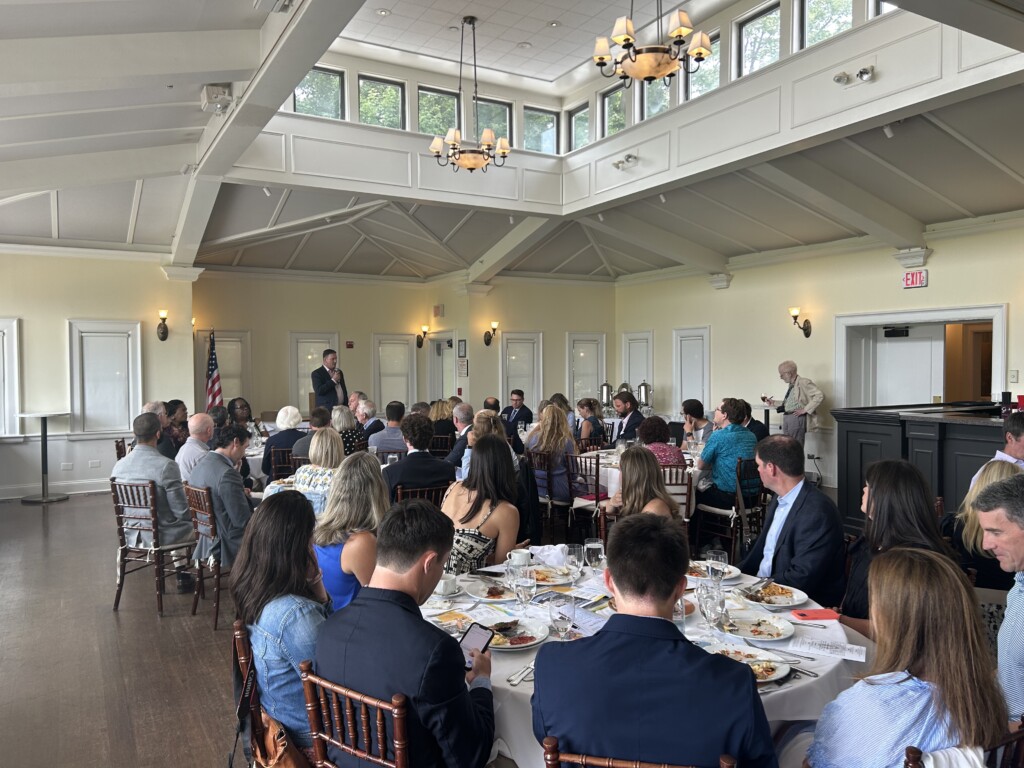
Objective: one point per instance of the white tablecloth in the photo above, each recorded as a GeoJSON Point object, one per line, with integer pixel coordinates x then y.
{"type": "Point", "coordinates": [255, 459]}
{"type": "Point", "coordinates": [801, 699]}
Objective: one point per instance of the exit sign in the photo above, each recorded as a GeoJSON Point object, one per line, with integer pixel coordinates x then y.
{"type": "Point", "coordinates": [917, 278]}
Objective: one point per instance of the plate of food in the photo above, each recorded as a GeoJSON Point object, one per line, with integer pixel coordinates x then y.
{"type": "Point", "coordinates": [773, 595]}
{"type": "Point", "coordinates": [699, 571]}
{"type": "Point", "coordinates": [551, 576]}
{"type": "Point", "coordinates": [518, 634]}
{"type": "Point", "coordinates": [489, 591]}
{"type": "Point", "coordinates": [766, 666]}
{"type": "Point", "coordinates": [757, 625]}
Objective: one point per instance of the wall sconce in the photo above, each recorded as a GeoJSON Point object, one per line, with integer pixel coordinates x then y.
{"type": "Point", "coordinates": [491, 334]}
{"type": "Point", "coordinates": [841, 78]}
{"type": "Point", "coordinates": [805, 326]}
{"type": "Point", "coordinates": [161, 328]}
{"type": "Point", "coordinates": [421, 338]}
{"type": "Point", "coordinates": [626, 162]}
{"type": "Point", "coordinates": [866, 74]}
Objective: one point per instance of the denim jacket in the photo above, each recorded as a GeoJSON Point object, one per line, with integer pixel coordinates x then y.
{"type": "Point", "coordinates": [284, 635]}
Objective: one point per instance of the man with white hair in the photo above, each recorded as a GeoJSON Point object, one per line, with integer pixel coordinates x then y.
{"type": "Point", "coordinates": [798, 404]}
{"type": "Point", "coordinates": [462, 415]}
{"type": "Point", "coordinates": [366, 415]}
{"type": "Point", "coordinates": [200, 432]}
{"type": "Point", "coordinates": [288, 419]}
{"type": "Point", "coordinates": [165, 445]}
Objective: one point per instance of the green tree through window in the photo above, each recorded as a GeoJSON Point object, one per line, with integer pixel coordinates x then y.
{"type": "Point", "coordinates": [614, 111]}
{"type": "Point", "coordinates": [380, 103]}
{"type": "Point", "coordinates": [707, 77]}
{"type": "Point", "coordinates": [760, 41]}
{"type": "Point", "coordinates": [540, 130]}
{"type": "Point", "coordinates": [495, 115]}
{"type": "Point", "coordinates": [656, 97]}
{"type": "Point", "coordinates": [825, 18]}
{"type": "Point", "coordinates": [579, 127]}
{"type": "Point", "coordinates": [438, 111]}
{"type": "Point", "coordinates": [320, 93]}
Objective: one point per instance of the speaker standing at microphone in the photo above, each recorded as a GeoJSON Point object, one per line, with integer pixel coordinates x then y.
{"type": "Point", "coordinates": [329, 382]}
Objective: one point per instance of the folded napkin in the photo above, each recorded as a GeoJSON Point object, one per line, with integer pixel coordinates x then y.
{"type": "Point", "coordinates": [550, 554]}
{"type": "Point", "coordinates": [957, 757]}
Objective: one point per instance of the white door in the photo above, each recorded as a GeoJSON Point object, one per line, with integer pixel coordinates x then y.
{"type": "Point", "coordinates": [909, 369]}
{"type": "Point", "coordinates": [691, 366]}
{"type": "Point", "coordinates": [521, 367]}
{"type": "Point", "coordinates": [440, 365]}
{"type": "Point", "coordinates": [306, 354]}
{"type": "Point", "coordinates": [394, 369]}
{"type": "Point", "coordinates": [637, 361]}
{"type": "Point", "coordinates": [584, 365]}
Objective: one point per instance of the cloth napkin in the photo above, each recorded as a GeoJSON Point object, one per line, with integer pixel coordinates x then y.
{"type": "Point", "coordinates": [957, 757]}
{"type": "Point", "coordinates": [550, 554]}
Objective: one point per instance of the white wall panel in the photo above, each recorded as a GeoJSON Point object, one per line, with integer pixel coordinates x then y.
{"type": "Point", "coordinates": [265, 153]}
{"type": "Point", "coordinates": [345, 160]}
{"type": "Point", "coordinates": [576, 184]}
{"type": "Point", "coordinates": [974, 51]}
{"type": "Point", "coordinates": [501, 182]}
{"type": "Point", "coordinates": [542, 187]}
{"type": "Point", "coordinates": [738, 124]}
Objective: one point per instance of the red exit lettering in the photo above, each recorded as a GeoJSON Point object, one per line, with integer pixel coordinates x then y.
{"type": "Point", "coordinates": [917, 278]}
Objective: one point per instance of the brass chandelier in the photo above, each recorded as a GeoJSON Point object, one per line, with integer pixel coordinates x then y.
{"type": "Point", "coordinates": [457, 154]}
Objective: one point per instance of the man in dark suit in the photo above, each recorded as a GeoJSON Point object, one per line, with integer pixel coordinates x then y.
{"type": "Point", "coordinates": [515, 414]}
{"type": "Point", "coordinates": [218, 471]}
{"type": "Point", "coordinates": [757, 427]}
{"type": "Point", "coordinates": [511, 431]}
{"type": "Point", "coordinates": [366, 416]}
{"type": "Point", "coordinates": [617, 694]}
{"type": "Point", "coordinates": [381, 645]}
{"type": "Point", "coordinates": [801, 543]}
{"type": "Point", "coordinates": [462, 415]}
{"type": "Point", "coordinates": [629, 411]}
{"type": "Point", "coordinates": [420, 468]}
{"type": "Point", "coordinates": [329, 382]}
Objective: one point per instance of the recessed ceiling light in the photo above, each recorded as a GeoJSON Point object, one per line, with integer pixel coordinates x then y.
{"type": "Point", "coordinates": [383, 12]}
{"type": "Point", "coordinates": [453, 28]}
{"type": "Point", "coordinates": [524, 44]}
{"type": "Point", "coordinates": [554, 23]}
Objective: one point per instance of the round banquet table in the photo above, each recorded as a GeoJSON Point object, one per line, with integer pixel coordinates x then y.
{"type": "Point", "coordinates": [254, 455]}
{"type": "Point", "coordinates": [794, 699]}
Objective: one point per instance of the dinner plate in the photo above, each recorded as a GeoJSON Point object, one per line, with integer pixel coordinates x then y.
{"type": "Point", "coordinates": [538, 630]}
{"type": "Point", "coordinates": [478, 590]}
{"type": "Point", "coordinates": [731, 571]}
{"type": "Point", "coordinates": [799, 597]}
{"type": "Point", "coordinates": [438, 596]}
{"type": "Point", "coordinates": [747, 655]}
{"type": "Point", "coordinates": [551, 577]}
{"type": "Point", "coordinates": [758, 625]}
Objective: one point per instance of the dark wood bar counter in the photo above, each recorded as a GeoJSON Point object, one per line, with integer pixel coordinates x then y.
{"type": "Point", "coordinates": [948, 442]}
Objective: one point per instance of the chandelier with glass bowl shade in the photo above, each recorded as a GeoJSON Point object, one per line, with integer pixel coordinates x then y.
{"type": "Point", "coordinates": [651, 62]}
{"type": "Point", "coordinates": [457, 154]}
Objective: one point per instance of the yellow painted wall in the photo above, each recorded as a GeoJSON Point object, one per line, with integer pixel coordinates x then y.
{"type": "Point", "coordinates": [45, 292]}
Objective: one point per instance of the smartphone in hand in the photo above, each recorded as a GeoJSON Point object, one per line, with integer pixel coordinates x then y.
{"type": "Point", "coordinates": [476, 637]}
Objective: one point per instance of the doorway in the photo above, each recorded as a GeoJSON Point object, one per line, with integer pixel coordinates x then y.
{"type": "Point", "coordinates": [441, 365]}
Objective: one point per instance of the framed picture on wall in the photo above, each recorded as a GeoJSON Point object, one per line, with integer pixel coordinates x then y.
{"type": "Point", "coordinates": [462, 348]}
{"type": "Point", "coordinates": [463, 368]}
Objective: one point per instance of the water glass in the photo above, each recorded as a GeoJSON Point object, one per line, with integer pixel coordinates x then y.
{"type": "Point", "coordinates": [562, 614]}
{"type": "Point", "coordinates": [711, 603]}
{"type": "Point", "coordinates": [672, 441]}
{"type": "Point", "coordinates": [620, 446]}
{"type": "Point", "coordinates": [393, 459]}
{"type": "Point", "coordinates": [574, 559]}
{"type": "Point", "coordinates": [717, 564]}
{"type": "Point", "coordinates": [594, 552]}
{"type": "Point", "coordinates": [525, 586]}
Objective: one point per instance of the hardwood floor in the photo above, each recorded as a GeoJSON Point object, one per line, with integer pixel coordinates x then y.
{"type": "Point", "coordinates": [81, 685]}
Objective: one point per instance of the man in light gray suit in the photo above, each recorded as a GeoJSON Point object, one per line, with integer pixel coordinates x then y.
{"type": "Point", "coordinates": [145, 463]}
{"type": "Point", "coordinates": [200, 432]}
{"type": "Point", "coordinates": [218, 471]}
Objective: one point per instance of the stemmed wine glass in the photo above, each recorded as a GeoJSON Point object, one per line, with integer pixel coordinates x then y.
{"type": "Point", "coordinates": [562, 613]}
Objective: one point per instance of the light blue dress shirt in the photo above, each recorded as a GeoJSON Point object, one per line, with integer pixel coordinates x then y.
{"type": "Point", "coordinates": [1011, 649]}
{"type": "Point", "coordinates": [772, 540]}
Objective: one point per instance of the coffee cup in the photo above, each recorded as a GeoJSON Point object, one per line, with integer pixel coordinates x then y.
{"type": "Point", "coordinates": [519, 557]}
{"type": "Point", "coordinates": [447, 585]}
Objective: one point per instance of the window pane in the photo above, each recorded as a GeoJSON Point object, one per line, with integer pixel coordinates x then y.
{"type": "Point", "coordinates": [580, 128]}
{"type": "Point", "coordinates": [540, 130]}
{"type": "Point", "coordinates": [380, 103]}
{"type": "Point", "coordinates": [585, 377]}
{"type": "Point", "coordinates": [707, 77]}
{"type": "Point", "coordinates": [106, 393]}
{"type": "Point", "coordinates": [656, 97]}
{"type": "Point", "coordinates": [825, 18]}
{"type": "Point", "coordinates": [319, 93]}
{"type": "Point", "coordinates": [614, 111]}
{"type": "Point", "coordinates": [494, 115]}
{"type": "Point", "coordinates": [760, 37]}
{"type": "Point", "coordinates": [438, 112]}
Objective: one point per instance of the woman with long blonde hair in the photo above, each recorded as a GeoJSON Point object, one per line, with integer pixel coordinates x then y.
{"type": "Point", "coordinates": [441, 415]}
{"type": "Point", "coordinates": [643, 486]}
{"type": "Point", "coordinates": [484, 423]}
{"type": "Point", "coordinates": [553, 438]}
{"type": "Point", "coordinates": [932, 685]}
{"type": "Point", "coordinates": [345, 537]}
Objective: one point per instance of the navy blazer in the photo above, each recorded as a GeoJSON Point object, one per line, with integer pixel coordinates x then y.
{"type": "Point", "coordinates": [639, 690]}
{"type": "Point", "coordinates": [523, 415]}
{"type": "Point", "coordinates": [627, 427]}
{"type": "Point", "coordinates": [454, 456]}
{"type": "Point", "coordinates": [379, 644]}
{"type": "Point", "coordinates": [810, 554]}
{"type": "Point", "coordinates": [325, 391]}
{"type": "Point", "coordinates": [418, 470]}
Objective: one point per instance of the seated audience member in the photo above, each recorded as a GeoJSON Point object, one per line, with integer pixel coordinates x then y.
{"type": "Point", "coordinates": [1001, 515]}
{"type": "Point", "coordinates": [177, 422]}
{"type": "Point", "coordinates": [240, 414]}
{"type": "Point", "coordinates": [931, 684]}
{"type": "Point", "coordinates": [643, 486]}
{"type": "Point", "coordinates": [749, 422]}
{"type": "Point", "coordinates": [492, 404]}
{"type": "Point", "coordinates": [346, 425]}
{"type": "Point", "coordinates": [219, 414]}
{"type": "Point", "coordinates": [653, 433]}
{"type": "Point", "coordinates": [381, 645]}
{"type": "Point", "coordinates": [288, 419]}
{"type": "Point", "coordinates": [164, 445]}
{"type": "Point", "coordinates": [313, 480]}
{"type": "Point", "coordinates": [146, 463]}
{"type": "Point", "coordinates": [200, 432]}
{"type": "Point", "coordinates": [390, 438]}
{"type": "Point", "coordinates": [1013, 451]}
{"type": "Point", "coordinates": [441, 415]}
{"type": "Point", "coordinates": [483, 508]}
{"type": "Point", "coordinates": [515, 414]}
{"type": "Point", "coordinates": [319, 418]}
{"type": "Point", "coordinates": [354, 399]}
{"type": "Point", "coordinates": [570, 416]}
{"type": "Point", "coordinates": [462, 417]}
{"type": "Point", "coordinates": [345, 537]}
{"type": "Point", "coordinates": [963, 530]}
{"type": "Point", "coordinates": [590, 425]}
{"type": "Point", "coordinates": [421, 408]}
{"type": "Point", "coordinates": [554, 438]}
{"type": "Point", "coordinates": [697, 426]}
{"type": "Point", "coordinates": [366, 415]}
{"type": "Point", "coordinates": [801, 543]}
{"type": "Point", "coordinates": [485, 422]}
{"type": "Point", "coordinates": [628, 410]}
{"type": "Point", "coordinates": [899, 512]}
{"type": "Point", "coordinates": [280, 596]}
{"type": "Point", "coordinates": [727, 444]}
{"type": "Point", "coordinates": [420, 468]}
{"type": "Point", "coordinates": [219, 471]}
{"type": "Point", "coordinates": [641, 662]}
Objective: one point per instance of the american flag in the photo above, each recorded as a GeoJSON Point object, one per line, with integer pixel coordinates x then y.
{"type": "Point", "coordinates": [213, 393]}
